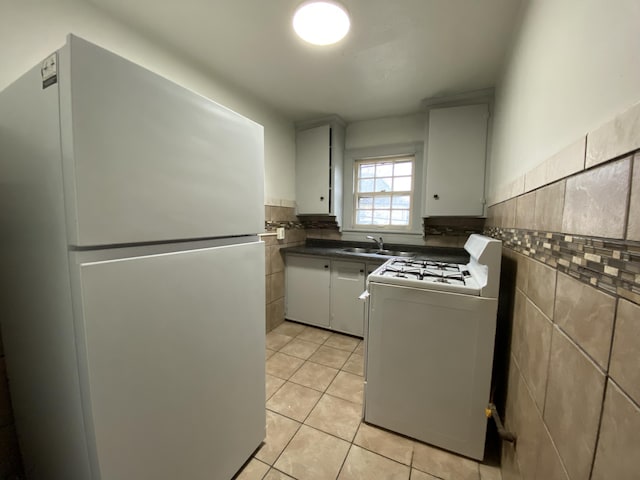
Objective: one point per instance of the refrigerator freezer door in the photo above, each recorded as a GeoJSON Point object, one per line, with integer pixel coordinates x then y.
{"type": "Point", "coordinates": [174, 348]}
{"type": "Point", "coordinates": [146, 160]}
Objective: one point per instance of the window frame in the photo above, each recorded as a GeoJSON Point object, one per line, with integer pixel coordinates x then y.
{"type": "Point", "coordinates": [350, 230]}
{"type": "Point", "coordinates": [357, 195]}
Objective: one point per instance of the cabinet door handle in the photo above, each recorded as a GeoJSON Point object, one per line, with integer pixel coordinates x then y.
{"type": "Point", "coordinates": [361, 271]}
{"type": "Point", "coordinates": [326, 266]}
{"type": "Point", "coordinates": [436, 196]}
{"type": "Point", "coordinates": [322, 199]}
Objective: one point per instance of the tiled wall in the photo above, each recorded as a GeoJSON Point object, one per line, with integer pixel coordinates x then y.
{"type": "Point", "coordinates": [276, 216]}
{"type": "Point", "coordinates": [9, 453]}
{"type": "Point", "coordinates": [573, 244]}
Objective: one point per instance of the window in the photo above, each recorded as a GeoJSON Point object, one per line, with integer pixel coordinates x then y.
{"type": "Point", "coordinates": [383, 191]}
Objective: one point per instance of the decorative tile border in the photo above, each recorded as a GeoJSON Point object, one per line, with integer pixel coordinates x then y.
{"type": "Point", "coordinates": [318, 222]}
{"type": "Point", "coordinates": [612, 266]}
{"type": "Point", "coordinates": [279, 216]}
{"type": "Point", "coordinates": [452, 226]}
{"type": "Point", "coordinates": [271, 225]}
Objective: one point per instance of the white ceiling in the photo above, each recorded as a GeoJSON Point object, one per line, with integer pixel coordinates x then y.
{"type": "Point", "coordinates": [397, 53]}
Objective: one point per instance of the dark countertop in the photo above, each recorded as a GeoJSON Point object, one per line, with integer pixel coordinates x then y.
{"type": "Point", "coordinates": [335, 249]}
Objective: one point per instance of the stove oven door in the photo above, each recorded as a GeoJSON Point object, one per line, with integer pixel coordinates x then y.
{"type": "Point", "coordinates": [428, 364]}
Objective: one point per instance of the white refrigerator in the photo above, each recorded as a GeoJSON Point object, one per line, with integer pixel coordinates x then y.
{"type": "Point", "coordinates": [132, 273]}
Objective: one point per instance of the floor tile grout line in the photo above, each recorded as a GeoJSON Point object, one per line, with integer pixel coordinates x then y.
{"type": "Point", "coordinates": [312, 388]}
{"type": "Point", "coordinates": [352, 442]}
{"type": "Point", "coordinates": [277, 389]}
{"type": "Point", "coordinates": [331, 333]}
{"type": "Point", "coordinates": [307, 359]}
{"type": "Point", "coordinates": [344, 460]}
{"type": "Point", "coordinates": [285, 447]}
{"type": "Point", "coordinates": [297, 430]}
{"type": "Point", "coordinates": [316, 389]}
{"type": "Point", "coordinates": [280, 471]}
{"type": "Point", "coordinates": [314, 428]}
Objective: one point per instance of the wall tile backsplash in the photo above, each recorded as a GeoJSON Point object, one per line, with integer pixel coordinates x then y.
{"type": "Point", "coordinates": [571, 247]}
{"type": "Point", "coordinates": [614, 138]}
{"type": "Point", "coordinates": [278, 216]}
{"type": "Point", "coordinates": [595, 201]}
{"type": "Point", "coordinates": [573, 403]}
{"type": "Point", "coordinates": [619, 442]}
{"type": "Point", "coordinates": [549, 206]}
{"type": "Point", "coordinates": [625, 354]}
{"type": "Point", "coordinates": [633, 225]}
{"type": "Point", "coordinates": [586, 315]}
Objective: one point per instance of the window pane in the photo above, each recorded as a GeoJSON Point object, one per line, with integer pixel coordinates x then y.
{"type": "Point", "coordinates": [383, 184]}
{"type": "Point", "coordinates": [401, 184]}
{"type": "Point", "coordinates": [367, 170]}
{"type": "Point", "coordinates": [377, 179]}
{"type": "Point", "coordinates": [403, 168]}
{"type": "Point", "coordinates": [399, 217]}
{"type": "Point", "coordinates": [364, 217]}
{"type": "Point", "coordinates": [384, 169]}
{"type": "Point", "coordinates": [365, 186]}
{"type": "Point", "coordinates": [401, 201]}
{"type": "Point", "coordinates": [365, 202]}
{"type": "Point", "coordinates": [382, 202]}
{"type": "Point", "coordinates": [381, 217]}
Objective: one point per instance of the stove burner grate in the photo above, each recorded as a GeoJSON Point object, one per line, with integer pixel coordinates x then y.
{"type": "Point", "coordinates": [424, 275]}
{"type": "Point", "coordinates": [428, 264]}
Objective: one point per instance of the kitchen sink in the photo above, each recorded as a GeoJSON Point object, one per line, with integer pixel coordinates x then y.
{"type": "Point", "coordinates": [393, 253]}
{"type": "Point", "coordinates": [387, 253]}
{"type": "Point", "coordinates": [359, 250]}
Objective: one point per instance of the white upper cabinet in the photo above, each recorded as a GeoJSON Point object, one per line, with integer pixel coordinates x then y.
{"type": "Point", "coordinates": [456, 153]}
{"type": "Point", "coordinates": [313, 161]}
{"type": "Point", "coordinates": [319, 153]}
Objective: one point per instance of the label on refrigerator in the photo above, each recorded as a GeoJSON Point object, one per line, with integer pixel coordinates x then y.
{"type": "Point", "coordinates": [49, 70]}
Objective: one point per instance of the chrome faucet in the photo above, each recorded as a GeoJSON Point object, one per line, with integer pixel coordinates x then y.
{"type": "Point", "coordinates": [378, 242]}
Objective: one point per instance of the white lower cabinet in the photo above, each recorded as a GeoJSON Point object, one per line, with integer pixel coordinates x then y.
{"type": "Point", "coordinates": [307, 290]}
{"type": "Point", "coordinates": [347, 310]}
{"type": "Point", "coordinates": [324, 292]}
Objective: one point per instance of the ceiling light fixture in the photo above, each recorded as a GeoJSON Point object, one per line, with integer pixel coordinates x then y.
{"type": "Point", "coordinates": [321, 22]}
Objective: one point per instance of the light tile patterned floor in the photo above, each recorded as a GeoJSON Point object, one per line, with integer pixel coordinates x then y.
{"type": "Point", "coordinates": [314, 425]}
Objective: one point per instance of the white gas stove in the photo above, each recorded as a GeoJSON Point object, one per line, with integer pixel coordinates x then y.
{"type": "Point", "coordinates": [429, 347]}
{"type": "Point", "coordinates": [478, 277]}
{"type": "Point", "coordinates": [449, 277]}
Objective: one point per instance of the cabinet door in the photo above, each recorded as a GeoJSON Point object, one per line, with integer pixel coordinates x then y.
{"type": "Point", "coordinates": [313, 167]}
{"type": "Point", "coordinates": [307, 290]}
{"type": "Point", "coordinates": [456, 161]}
{"type": "Point", "coordinates": [347, 310]}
